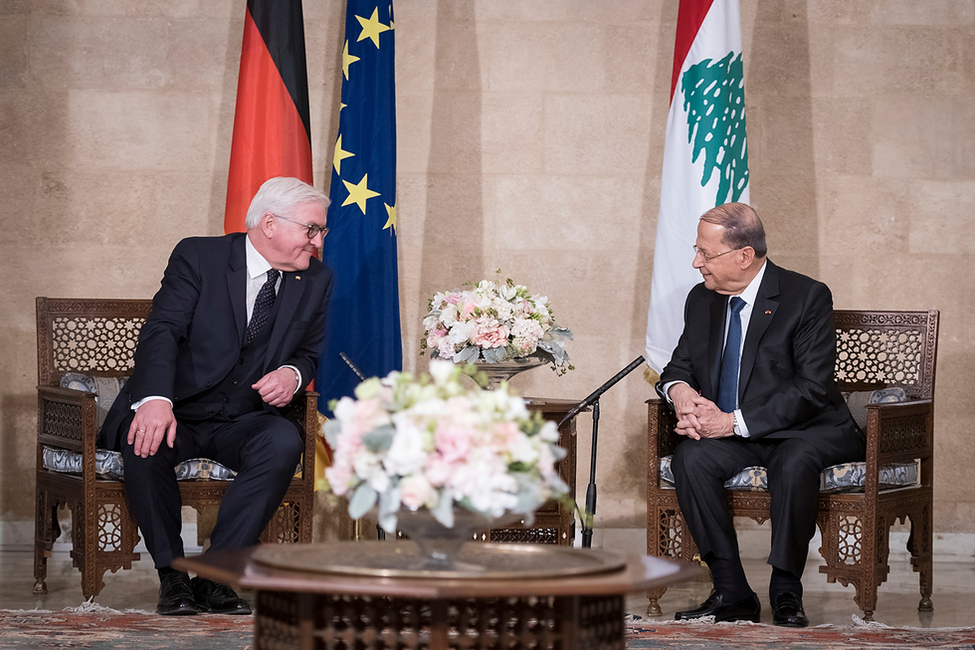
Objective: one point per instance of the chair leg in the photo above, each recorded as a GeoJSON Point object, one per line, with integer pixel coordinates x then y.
{"type": "Point", "coordinates": [874, 566]}
{"type": "Point", "coordinates": [84, 552]}
{"type": "Point", "coordinates": [653, 607]}
{"type": "Point", "coordinates": [920, 545]}
{"type": "Point", "coordinates": [666, 537]}
{"type": "Point", "coordinates": [45, 520]}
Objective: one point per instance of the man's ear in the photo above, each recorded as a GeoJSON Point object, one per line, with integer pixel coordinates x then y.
{"type": "Point", "coordinates": [266, 224]}
{"type": "Point", "coordinates": [747, 256]}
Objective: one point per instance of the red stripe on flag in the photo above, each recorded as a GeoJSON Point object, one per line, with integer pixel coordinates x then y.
{"type": "Point", "coordinates": [689, 18]}
{"type": "Point", "coordinates": [269, 136]}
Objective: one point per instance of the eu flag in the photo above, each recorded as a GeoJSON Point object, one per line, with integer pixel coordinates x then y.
{"type": "Point", "coordinates": [363, 315]}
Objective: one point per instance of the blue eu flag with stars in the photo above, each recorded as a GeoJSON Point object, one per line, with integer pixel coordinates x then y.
{"type": "Point", "coordinates": [363, 315]}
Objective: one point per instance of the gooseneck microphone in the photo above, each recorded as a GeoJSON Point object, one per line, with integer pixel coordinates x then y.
{"type": "Point", "coordinates": [591, 399]}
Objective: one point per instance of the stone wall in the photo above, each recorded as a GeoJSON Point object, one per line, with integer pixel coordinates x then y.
{"type": "Point", "coordinates": [530, 140]}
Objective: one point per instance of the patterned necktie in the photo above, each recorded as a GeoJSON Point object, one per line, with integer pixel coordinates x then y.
{"type": "Point", "coordinates": [728, 382]}
{"type": "Point", "coordinates": [262, 305]}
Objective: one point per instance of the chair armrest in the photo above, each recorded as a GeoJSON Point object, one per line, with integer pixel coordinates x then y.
{"type": "Point", "coordinates": [67, 419]}
{"type": "Point", "coordinates": [303, 411]}
{"type": "Point", "coordinates": [661, 422]}
{"type": "Point", "coordinates": [900, 431]}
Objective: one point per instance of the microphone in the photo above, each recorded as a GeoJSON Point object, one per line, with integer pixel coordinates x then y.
{"type": "Point", "coordinates": [595, 395]}
{"type": "Point", "coordinates": [348, 361]}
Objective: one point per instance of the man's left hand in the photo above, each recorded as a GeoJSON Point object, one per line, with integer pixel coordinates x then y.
{"type": "Point", "coordinates": [712, 422]}
{"type": "Point", "coordinates": [277, 387]}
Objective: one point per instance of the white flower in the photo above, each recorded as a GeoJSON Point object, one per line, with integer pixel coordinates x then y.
{"type": "Point", "coordinates": [416, 492]}
{"type": "Point", "coordinates": [408, 452]}
{"type": "Point", "coordinates": [460, 332]}
{"type": "Point", "coordinates": [441, 371]}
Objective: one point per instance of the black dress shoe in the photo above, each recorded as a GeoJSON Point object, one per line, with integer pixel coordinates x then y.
{"type": "Point", "coordinates": [746, 609]}
{"type": "Point", "coordinates": [787, 611]}
{"type": "Point", "coordinates": [175, 595]}
{"type": "Point", "coordinates": [217, 598]}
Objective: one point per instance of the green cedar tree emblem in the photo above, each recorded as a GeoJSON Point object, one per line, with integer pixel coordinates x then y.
{"type": "Point", "coordinates": [714, 98]}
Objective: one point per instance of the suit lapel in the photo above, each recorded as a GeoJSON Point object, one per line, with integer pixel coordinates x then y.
{"type": "Point", "coordinates": [237, 285]}
{"type": "Point", "coordinates": [762, 313]}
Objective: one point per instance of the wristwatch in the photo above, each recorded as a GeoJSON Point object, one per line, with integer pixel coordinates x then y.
{"type": "Point", "coordinates": [734, 424]}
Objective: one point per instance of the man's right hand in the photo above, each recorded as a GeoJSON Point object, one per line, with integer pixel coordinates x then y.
{"type": "Point", "coordinates": [153, 422]}
{"type": "Point", "coordinates": [682, 396]}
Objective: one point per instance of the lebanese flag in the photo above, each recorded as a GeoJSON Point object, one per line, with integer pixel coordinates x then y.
{"type": "Point", "coordinates": [271, 125]}
{"type": "Point", "coordinates": [705, 157]}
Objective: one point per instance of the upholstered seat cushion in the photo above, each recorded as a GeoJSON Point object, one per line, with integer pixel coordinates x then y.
{"type": "Point", "coordinates": [108, 464]}
{"type": "Point", "coordinates": [846, 477]}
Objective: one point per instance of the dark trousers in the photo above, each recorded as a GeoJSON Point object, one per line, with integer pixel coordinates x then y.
{"type": "Point", "coordinates": [263, 449]}
{"type": "Point", "coordinates": [794, 465]}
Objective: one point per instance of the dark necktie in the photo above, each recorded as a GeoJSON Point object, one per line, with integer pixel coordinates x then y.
{"type": "Point", "coordinates": [728, 382]}
{"type": "Point", "coordinates": [262, 305]}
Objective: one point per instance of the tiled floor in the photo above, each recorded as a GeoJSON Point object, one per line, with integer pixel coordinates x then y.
{"type": "Point", "coordinates": [954, 592]}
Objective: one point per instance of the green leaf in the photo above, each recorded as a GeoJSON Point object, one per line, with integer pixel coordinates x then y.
{"type": "Point", "coordinates": [362, 500]}
{"type": "Point", "coordinates": [379, 439]}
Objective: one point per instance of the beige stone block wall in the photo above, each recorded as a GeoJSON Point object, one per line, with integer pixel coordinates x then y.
{"type": "Point", "coordinates": [530, 140]}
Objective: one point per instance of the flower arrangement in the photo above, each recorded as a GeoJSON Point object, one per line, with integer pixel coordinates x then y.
{"type": "Point", "coordinates": [434, 443]}
{"type": "Point", "coordinates": [494, 322]}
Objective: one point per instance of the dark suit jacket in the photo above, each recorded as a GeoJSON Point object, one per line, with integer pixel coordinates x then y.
{"type": "Point", "coordinates": [786, 387]}
{"type": "Point", "coordinates": [195, 331]}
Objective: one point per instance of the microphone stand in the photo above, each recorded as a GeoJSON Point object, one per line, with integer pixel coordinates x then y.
{"type": "Point", "coordinates": [593, 400]}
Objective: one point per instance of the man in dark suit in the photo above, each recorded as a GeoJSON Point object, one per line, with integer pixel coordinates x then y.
{"type": "Point", "coordinates": [234, 333]}
{"type": "Point", "coordinates": [751, 381]}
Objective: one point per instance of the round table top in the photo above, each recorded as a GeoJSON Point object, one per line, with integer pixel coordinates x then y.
{"type": "Point", "coordinates": [625, 575]}
{"type": "Point", "coordinates": [474, 561]}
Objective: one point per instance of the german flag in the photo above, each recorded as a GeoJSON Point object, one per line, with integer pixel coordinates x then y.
{"type": "Point", "coordinates": [271, 124]}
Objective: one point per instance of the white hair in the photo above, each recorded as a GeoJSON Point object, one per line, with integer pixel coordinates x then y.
{"type": "Point", "coordinates": [279, 195]}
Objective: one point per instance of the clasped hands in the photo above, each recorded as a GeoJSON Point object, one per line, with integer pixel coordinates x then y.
{"type": "Point", "coordinates": [697, 416]}
{"type": "Point", "coordinates": [154, 420]}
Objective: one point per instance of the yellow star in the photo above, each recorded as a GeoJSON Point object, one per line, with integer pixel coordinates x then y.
{"type": "Point", "coordinates": [347, 60]}
{"type": "Point", "coordinates": [371, 27]}
{"type": "Point", "coordinates": [340, 155]}
{"type": "Point", "coordinates": [359, 194]}
{"type": "Point", "coordinates": [391, 219]}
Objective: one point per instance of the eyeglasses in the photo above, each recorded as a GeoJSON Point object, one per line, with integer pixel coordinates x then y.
{"type": "Point", "coordinates": [313, 229]}
{"type": "Point", "coordinates": [707, 257]}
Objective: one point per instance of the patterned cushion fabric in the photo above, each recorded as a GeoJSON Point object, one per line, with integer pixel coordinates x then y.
{"type": "Point", "coordinates": [108, 465]}
{"type": "Point", "coordinates": [857, 401]}
{"type": "Point", "coordinates": [847, 477]}
{"type": "Point", "coordinates": [106, 389]}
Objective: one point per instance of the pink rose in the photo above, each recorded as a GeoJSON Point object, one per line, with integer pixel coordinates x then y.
{"type": "Point", "coordinates": [468, 309]}
{"type": "Point", "coordinates": [438, 471]}
{"type": "Point", "coordinates": [489, 333]}
{"type": "Point", "coordinates": [453, 443]}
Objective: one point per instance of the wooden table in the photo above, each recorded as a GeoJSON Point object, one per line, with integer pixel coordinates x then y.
{"type": "Point", "coordinates": [309, 609]}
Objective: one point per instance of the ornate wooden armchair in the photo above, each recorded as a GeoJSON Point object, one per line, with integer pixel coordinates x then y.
{"type": "Point", "coordinates": [97, 338]}
{"type": "Point", "coordinates": [875, 350]}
